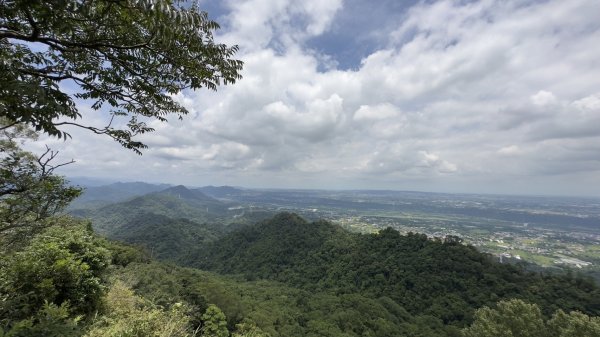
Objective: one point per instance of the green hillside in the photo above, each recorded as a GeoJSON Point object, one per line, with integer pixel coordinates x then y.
{"type": "Point", "coordinates": [164, 237]}
{"type": "Point", "coordinates": [175, 203]}
{"type": "Point", "coordinates": [171, 223]}
{"type": "Point", "coordinates": [441, 279]}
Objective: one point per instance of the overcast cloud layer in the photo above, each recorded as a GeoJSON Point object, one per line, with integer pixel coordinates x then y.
{"type": "Point", "coordinates": [484, 96]}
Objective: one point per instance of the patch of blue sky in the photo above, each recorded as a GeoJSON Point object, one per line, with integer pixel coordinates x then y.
{"type": "Point", "coordinates": [359, 29]}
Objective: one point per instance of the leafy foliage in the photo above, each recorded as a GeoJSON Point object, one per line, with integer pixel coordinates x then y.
{"type": "Point", "coordinates": [268, 308]}
{"type": "Point", "coordinates": [60, 271]}
{"type": "Point", "coordinates": [511, 318]}
{"type": "Point", "coordinates": [130, 55]}
{"type": "Point", "coordinates": [50, 321]}
{"type": "Point", "coordinates": [248, 329]}
{"type": "Point", "coordinates": [269, 249]}
{"type": "Point", "coordinates": [29, 191]}
{"type": "Point", "coordinates": [215, 324]}
{"type": "Point", "coordinates": [573, 324]}
{"type": "Point", "coordinates": [515, 318]}
{"type": "Point", "coordinates": [129, 315]}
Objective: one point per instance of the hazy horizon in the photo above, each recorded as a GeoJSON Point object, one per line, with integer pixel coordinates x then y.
{"type": "Point", "coordinates": [98, 182]}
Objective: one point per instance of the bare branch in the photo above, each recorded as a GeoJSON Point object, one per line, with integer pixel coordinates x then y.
{"type": "Point", "coordinates": [44, 162]}
{"type": "Point", "coordinates": [8, 126]}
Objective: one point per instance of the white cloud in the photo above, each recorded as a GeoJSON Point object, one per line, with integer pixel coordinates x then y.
{"type": "Point", "coordinates": [510, 150]}
{"type": "Point", "coordinates": [257, 24]}
{"type": "Point", "coordinates": [377, 112]}
{"type": "Point", "coordinates": [543, 98]}
{"type": "Point", "coordinates": [458, 88]}
{"type": "Point", "coordinates": [589, 104]}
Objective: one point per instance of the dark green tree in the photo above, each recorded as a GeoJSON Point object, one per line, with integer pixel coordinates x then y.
{"type": "Point", "coordinates": [128, 55]}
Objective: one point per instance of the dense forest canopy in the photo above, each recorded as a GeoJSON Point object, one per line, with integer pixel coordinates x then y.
{"type": "Point", "coordinates": [442, 278]}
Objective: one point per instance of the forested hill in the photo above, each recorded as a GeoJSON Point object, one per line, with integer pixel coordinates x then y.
{"type": "Point", "coordinates": [168, 223]}
{"type": "Point", "coordinates": [175, 202]}
{"type": "Point", "coordinates": [441, 278]}
{"type": "Point", "coordinates": [220, 191]}
{"type": "Point", "coordinates": [270, 248]}
{"type": "Point", "coordinates": [182, 192]}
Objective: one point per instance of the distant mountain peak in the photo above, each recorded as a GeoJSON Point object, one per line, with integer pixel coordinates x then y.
{"type": "Point", "coordinates": [183, 192]}
{"type": "Point", "coordinates": [220, 191]}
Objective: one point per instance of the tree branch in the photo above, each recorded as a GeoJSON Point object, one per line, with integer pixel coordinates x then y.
{"type": "Point", "coordinates": [44, 163]}
{"type": "Point", "coordinates": [62, 44]}
{"type": "Point", "coordinates": [2, 128]}
{"type": "Point", "coordinates": [35, 30]}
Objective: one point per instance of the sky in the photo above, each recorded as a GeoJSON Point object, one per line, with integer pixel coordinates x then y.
{"type": "Point", "coordinates": [444, 96]}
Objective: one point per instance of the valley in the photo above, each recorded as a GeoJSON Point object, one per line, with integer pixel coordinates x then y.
{"type": "Point", "coordinates": [550, 232]}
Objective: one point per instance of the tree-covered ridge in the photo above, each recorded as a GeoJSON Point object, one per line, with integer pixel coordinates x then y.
{"type": "Point", "coordinates": [268, 249]}
{"type": "Point", "coordinates": [164, 237]}
{"type": "Point", "coordinates": [282, 310]}
{"type": "Point", "coordinates": [441, 278]}
{"type": "Point", "coordinates": [170, 223]}
{"type": "Point", "coordinates": [174, 202]}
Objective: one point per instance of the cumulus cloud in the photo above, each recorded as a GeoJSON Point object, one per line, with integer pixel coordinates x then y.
{"type": "Point", "coordinates": [543, 98]}
{"type": "Point", "coordinates": [258, 24]}
{"type": "Point", "coordinates": [452, 91]}
{"type": "Point", "coordinates": [378, 112]}
{"type": "Point", "coordinates": [510, 150]}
